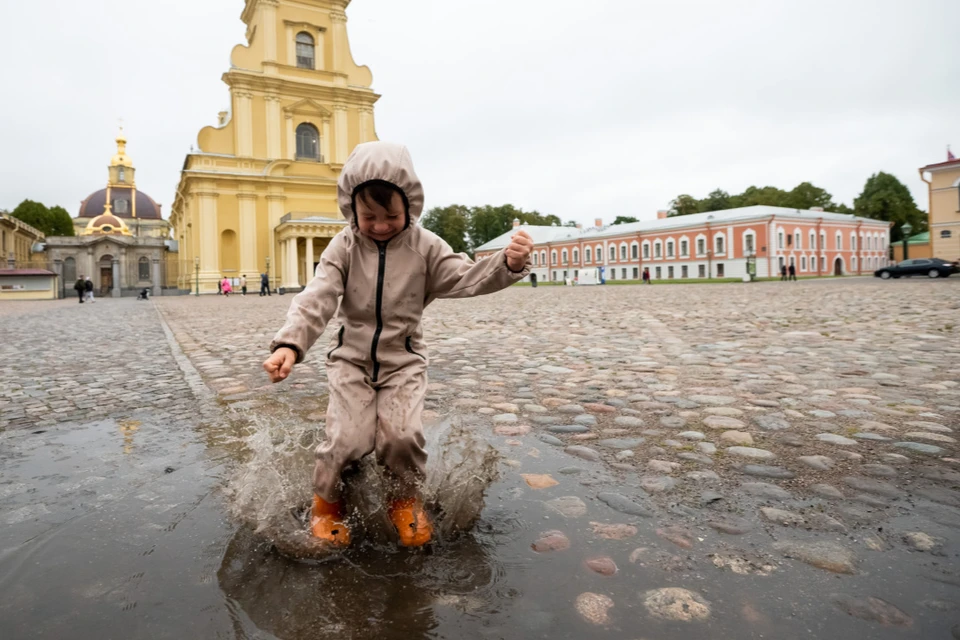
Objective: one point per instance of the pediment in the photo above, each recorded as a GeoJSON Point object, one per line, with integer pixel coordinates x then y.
{"type": "Point", "coordinates": [308, 107]}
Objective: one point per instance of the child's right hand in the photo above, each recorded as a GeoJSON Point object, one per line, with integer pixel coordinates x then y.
{"type": "Point", "coordinates": [280, 363]}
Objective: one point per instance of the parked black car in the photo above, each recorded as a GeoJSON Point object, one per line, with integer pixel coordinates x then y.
{"type": "Point", "coordinates": [930, 267]}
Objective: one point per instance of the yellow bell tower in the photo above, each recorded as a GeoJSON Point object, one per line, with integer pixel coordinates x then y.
{"type": "Point", "coordinates": [259, 195]}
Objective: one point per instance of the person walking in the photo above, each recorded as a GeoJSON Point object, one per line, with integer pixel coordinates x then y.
{"type": "Point", "coordinates": [225, 287]}
{"type": "Point", "coordinates": [243, 285]}
{"type": "Point", "coordinates": [783, 272]}
{"type": "Point", "coordinates": [264, 285]}
{"type": "Point", "coordinates": [81, 288]}
{"type": "Point", "coordinates": [646, 275]}
{"type": "Point", "coordinates": [220, 287]}
{"type": "Point", "coordinates": [793, 272]}
{"type": "Point", "coordinates": [88, 290]}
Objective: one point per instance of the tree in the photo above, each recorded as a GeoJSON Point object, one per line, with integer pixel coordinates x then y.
{"type": "Point", "coordinates": [570, 223]}
{"type": "Point", "coordinates": [716, 200]}
{"type": "Point", "coordinates": [60, 222]}
{"type": "Point", "coordinates": [684, 205]}
{"type": "Point", "coordinates": [451, 224]}
{"type": "Point", "coordinates": [767, 196]}
{"type": "Point", "coordinates": [52, 222]}
{"type": "Point", "coordinates": [806, 196]}
{"type": "Point", "coordinates": [488, 222]}
{"type": "Point", "coordinates": [886, 198]}
{"type": "Point", "coordinates": [624, 220]}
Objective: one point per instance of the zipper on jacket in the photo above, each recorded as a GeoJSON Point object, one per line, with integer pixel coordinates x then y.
{"type": "Point", "coordinates": [410, 348]}
{"type": "Point", "coordinates": [339, 341]}
{"type": "Point", "coordinates": [382, 248]}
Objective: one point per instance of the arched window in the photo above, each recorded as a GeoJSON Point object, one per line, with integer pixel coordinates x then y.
{"type": "Point", "coordinates": [779, 241]}
{"type": "Point", "coordinates": [305, 51]}
{"type": "Point", "coordinates": [646, 250]}
{"type": "Point", "coordinates": [564, 254]}
{"type": "Point", "coordinates": [839, 241]}
{"type": "Point", "coordinates": [543, 258]}
{"type": "Point", "coordinates": [720, 244]}
{"type": "Point", "coordinates": [121, 205]}
{"type": "Point", "coordinates": [308, 142]}
{"type": "Point", "coordinates": [623, 252]}
{"type": "Point", "coordinates": [576, 256]}
{"type": "Point", "coordinates": [535, 259]}
{"type": "Point", "coordinates": [553, 257]}
{"type": "Point", "coordinates": [670, 248]}
{"type": "Point", "coordinates": [69, 271]}
{"type": "Point", "coordinates": [586, 255]}
{"type": "Point", "coordinates": [122, 175]}
{"type": "Point", "coordinates": [796, 240]}
{"type": "Point", "coordinates": [684, 248]}
{"type": "Point", "coordinates": [634, 251]}
{"type": "Point", "coordinates": [143, 268]}
{"type": "Point", "coordinates": [803, 263]}
{"type": "Point", "coordinates": [657, 249]}
{"type": "Point", "coordinates": [598, 253]}
{"type": "Point", "coordinates": [613, 253]}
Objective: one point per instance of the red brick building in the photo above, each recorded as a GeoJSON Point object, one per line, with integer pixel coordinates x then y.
{"type": "Point", "coordinates": [710, 245]}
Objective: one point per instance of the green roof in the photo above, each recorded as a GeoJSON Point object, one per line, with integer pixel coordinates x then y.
{"type": "Point", "coordinates": [920, 238]}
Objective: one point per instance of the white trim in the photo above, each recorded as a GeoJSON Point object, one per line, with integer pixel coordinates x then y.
{"type": "Point", "coordinates": [743, 240]}
{"type": "Point", "coordinates": [632, 245]}
{"type": "Point", "coordinates": [683, 239]}
{"type": "Point", "coordinates": [658, 249]}
{"type": "Point", "coordinates": [726, 245]}
{"type": "Point", "coordinates": [696, 245]}
{"type": "Point", "coordinates": [671, 248]}
{"type": "Point", "coordinates": [645, 250]}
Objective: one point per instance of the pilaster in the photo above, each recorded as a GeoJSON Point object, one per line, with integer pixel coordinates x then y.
{"type": "Point", "coordinates": [244, 123]}
{"type": "Point", "coordinates": [340, 123]}
{"type": "Point", "coordinates": [273, 126]}
{"type": "Point", "coordinates": [248, 232]}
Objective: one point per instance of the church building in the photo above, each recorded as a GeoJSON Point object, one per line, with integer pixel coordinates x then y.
{"type": "Point", "coordinates": [122, 243]}
{"type": "Point", "coordinates": [259, 195]}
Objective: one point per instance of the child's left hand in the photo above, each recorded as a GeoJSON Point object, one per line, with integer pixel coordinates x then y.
{"type": "Point", "coordinates": [518, 251]}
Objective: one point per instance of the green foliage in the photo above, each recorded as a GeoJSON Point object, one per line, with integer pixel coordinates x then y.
{"type": "Point", "coordinates": [684, 205]}
{"type": "Point", "coordinates": [804, 196]}
{"type": "Point", "coordinates": [624, 220]}
{"type": "Point", "coordinates": [466, 228]}
{"type": "Point", "coordinates": [886, 198]}
{"type": "Point", "coordinates": [60, 222]}
{"type": "Point", "coordinates": [450, 223]}
{"type": "Point", "coordinates": [52, 222]}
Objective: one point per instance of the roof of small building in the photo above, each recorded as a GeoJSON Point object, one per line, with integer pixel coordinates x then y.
{"type": "Point", "coordinates": [920, 238]}
{"type": "Point", "coordinates": [727, 216]}
{"type": "Point", "coordinates": [25, 272]}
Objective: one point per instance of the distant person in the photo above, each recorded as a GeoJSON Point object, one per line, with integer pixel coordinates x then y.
{"type": "Point", "coordinates": [783, 273]}
{"type": "Point", "coordinates": [243, 285]}
{"type": "Point", "coordinates": [225, 287]}
{"type": "Point", "coordinates": [88, 290]}
{"type": "Point", "coordinates": [81, 288]}
{"type": "Point", "coordinates": [793, 271]}
{"type": "Point", "coordinates": [646, 276]}
{"type": "Point", "coordinates": [264, 285]}
{"type": "Point", "coordinates": [220, 287]}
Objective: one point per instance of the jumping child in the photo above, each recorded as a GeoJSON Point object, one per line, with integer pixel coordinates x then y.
{"type": "Point", "coordinates": [384, 269]}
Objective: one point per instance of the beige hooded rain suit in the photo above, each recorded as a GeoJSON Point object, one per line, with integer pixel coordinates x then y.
{"type": "Point", "coordinates": [377, 362]}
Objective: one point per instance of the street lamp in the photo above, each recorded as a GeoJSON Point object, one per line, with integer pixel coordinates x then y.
{"type": "Point", "coordinates": [906, 229]}
{"type": "Point", "coordinates": [196, 264]}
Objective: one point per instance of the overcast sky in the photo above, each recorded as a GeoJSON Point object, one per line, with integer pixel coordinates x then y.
{"type": "Point", "coordinates": [580, 109]}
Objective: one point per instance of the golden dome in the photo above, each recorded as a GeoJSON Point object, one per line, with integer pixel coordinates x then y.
{"type": "Point", "coordinates": [121, 159]}
{"type": "Point", "coordinates": [106, 224]}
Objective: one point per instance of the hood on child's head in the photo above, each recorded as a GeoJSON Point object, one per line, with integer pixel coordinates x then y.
{"type": "Point", "coordinates": [380, 161]}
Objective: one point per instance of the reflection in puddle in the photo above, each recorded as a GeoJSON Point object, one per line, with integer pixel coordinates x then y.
{"type": "Point", "coordinates": [127, 429]}
{"type": "Point", "coordinates": [367, 592]}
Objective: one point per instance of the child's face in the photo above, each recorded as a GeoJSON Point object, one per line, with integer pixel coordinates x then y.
{"type": "Point", "coordinates": [379, 223]}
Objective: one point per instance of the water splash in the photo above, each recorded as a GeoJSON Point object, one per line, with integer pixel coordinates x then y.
{"type": "Point", "coordinates": [270, 491]}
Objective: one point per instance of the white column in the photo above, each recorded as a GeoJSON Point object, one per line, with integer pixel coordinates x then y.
{"type": "Point", "coordinates": [273, 127]}
{"type": "Point", "coordinates": [248, 233]}
{"type": "Point", "coordinates": [340, 124]}
{"type": "Point", "coordinates": [325, 142]}
{"type": "Point", "coordinates": [274, 213]}
{"type": "Point", "coordinates": [157, 285]}
{"type": "Point", "coordinates": [308, 261]}
{"type": "Point", "coordinates": [117, 288]}
{"type": "Point", "coordinates": [269, 28]}
{"type": "Point", "coordinates": [321, 51]}
{"type": "Point", "coordinates": [339, 19]}
{"type": "Point", "coordinates": [209, 238]}
{"type": "Point", "coordinates": [366, 124]}
{"type": "Point", "coordinates": [291, 277]}
{"type": "Point", "coordinates": [291, 138]}
{"type": "Point", "coordinates": [244, 113]}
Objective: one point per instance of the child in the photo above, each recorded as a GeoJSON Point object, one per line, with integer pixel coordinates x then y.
{"type": "Point", "coordinates": [386, 269]}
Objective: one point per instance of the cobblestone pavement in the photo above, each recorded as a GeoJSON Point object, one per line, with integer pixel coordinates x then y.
{"type": "Point", "coordinates": [745, 429]}
{"type": "Point", "coordinates": [768, 460]}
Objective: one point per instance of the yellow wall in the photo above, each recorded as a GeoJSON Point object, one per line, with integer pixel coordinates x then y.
{"type": "Point", "coordinates": [246, 177]}
{"type": "Point", "coordinates": [945, 210]}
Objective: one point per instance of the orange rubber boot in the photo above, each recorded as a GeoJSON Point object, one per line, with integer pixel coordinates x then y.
{"type": "Point", "coordinates": [411, 521]}
{"type": "Point", "coordinates": [326, 522]}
